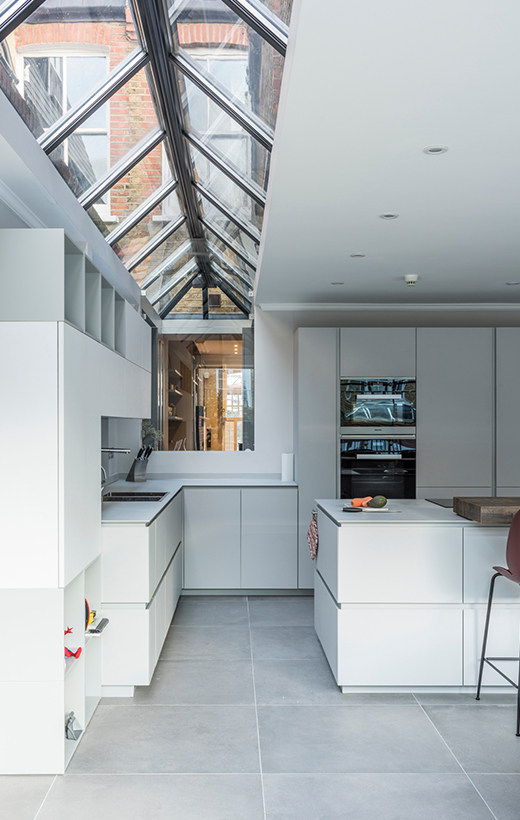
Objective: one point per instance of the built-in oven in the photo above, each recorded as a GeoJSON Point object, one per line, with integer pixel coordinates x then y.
{"type": "Point", "coordinates": [377, 466]}
{"type": "Point", "coordinates": [371, 406]}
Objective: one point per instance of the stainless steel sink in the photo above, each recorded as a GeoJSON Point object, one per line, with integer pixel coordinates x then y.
{"type": "Point", "coordinates": [128, 495]}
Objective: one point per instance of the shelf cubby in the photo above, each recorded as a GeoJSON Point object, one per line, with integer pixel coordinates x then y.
{"type": "Point", "coordinates": [74, 285]}
{"type": "Point", "coordinates": [92, 300]}
{"type": "Point", "coordinates": [107, 313]}
{"type": "Point", "coordinates": [120, 324]}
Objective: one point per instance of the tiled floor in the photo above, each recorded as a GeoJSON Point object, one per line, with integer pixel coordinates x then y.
{"type": "Point", "coordinates": [243, 721]}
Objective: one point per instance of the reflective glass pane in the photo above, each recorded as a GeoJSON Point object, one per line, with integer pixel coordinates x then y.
{"type": "Point", "coordinates": [189, 306]}
{"type": "Point", "coordinates": [170, 273]}
{"type": "Point", "coordinates": [60, 54]}
{"type": "Point", "coordinates": [230, 253]}
{"type": "Point", "coordinates": [226, 191]}
{"type": "Point", "coordinates": [168, 247]}
{"type": "Point", "coordinates": [281, 8]}
{"type": "Point", "coordinates": [164, 301]}
{"type": "Point", "coordinates": [220, 304]}
{"type": "Point", "coordinates": [231, 279]}
{"type": "Point", "coordinates": [123, 121]}
{"type": "Point", "coordinates": [214, 127]}
{"type": "Point", "coordinates": [130, 192]}
{"type": "Point", "coordinates": [216, 217]}
{"type": "Point", "coordinates": [132, 242]}
{"type": "Point", "coordinates": [207, 379]}
{"type": "Point", "coordinates": [232, 53]}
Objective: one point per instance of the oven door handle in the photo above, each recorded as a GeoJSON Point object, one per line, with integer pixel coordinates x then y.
{"type": "Point", "coordinates": [381, 457]}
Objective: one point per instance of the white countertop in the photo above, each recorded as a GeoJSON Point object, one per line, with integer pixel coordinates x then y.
{"type": "Point", "coordinates": [115, 513]}
{"type": "Point", "coordinates": [407, 511]}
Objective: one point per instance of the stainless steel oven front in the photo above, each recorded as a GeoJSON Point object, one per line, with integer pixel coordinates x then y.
{"type": "Point", "coordinates": [382, 465]}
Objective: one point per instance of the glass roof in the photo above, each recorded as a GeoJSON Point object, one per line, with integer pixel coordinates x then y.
{"type": "Point", "coordinates": [167, 147]}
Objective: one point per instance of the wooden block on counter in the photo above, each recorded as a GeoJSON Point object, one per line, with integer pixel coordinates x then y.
{"type": "Point", "coordinates": [499, 510]}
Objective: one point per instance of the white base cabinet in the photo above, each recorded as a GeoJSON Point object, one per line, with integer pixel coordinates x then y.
{"type": "Point", "coordinates": [141, 585]}
{"type": "Point", "coordinates": [240, 538]}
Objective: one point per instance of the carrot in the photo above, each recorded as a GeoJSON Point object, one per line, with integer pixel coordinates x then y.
{"type": "Point", "coordinates": [364, 501]}
{"type": "Point", "coordinates": [356, 502]}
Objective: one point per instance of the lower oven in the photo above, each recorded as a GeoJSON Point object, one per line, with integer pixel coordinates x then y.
{"type": "Point", "coordinates": [377, 466]}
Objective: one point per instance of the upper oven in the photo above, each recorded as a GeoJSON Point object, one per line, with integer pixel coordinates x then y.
{"type": "Point", "coordinates": [375, 405]}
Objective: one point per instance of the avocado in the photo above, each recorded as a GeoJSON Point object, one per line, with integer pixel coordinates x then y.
{"type": "Point", "coordinates": [377, 501]}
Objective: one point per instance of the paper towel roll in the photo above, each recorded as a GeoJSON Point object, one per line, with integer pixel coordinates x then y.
{"type": "Point", "coordinates": [287, 466]}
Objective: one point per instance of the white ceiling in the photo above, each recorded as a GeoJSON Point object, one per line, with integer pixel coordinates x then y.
{"type": "Point", "coordinates": [368, 84]}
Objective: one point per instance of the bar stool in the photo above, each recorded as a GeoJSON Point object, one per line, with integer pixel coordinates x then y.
{"type": "Point", "coordinates": [512, 573]}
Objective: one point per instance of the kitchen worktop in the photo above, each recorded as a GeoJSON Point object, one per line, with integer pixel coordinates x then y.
{"type": "Point", "coordinates": [142, 513]}
{"type": "Point", "coordinates": [407, 511]}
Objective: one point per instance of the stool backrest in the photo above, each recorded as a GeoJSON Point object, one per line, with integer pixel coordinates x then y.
{"type": "Point", "coordinates": [513, 549]}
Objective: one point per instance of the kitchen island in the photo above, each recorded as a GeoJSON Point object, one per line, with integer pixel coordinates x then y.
{"type": "Point", "coordinates": [400, 597]}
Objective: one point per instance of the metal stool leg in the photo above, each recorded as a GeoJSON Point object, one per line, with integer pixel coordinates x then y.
{"type": "Point", "coordinates": [486, 629]}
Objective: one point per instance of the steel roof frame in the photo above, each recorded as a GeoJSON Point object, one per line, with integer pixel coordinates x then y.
{"type": "Point", "coordinates": [12, 14]}
{"type": "Point", "coordinates": [76, 115]}
{"type": "Point", "coordinates": [144, 208]}
{"type": "Point", "coordinates": [225, 261]}
{"type": "Point", "coordinates": [166, 264]}
{"type": "Point", "coordinates": [232, 292]}
{"type": "Point", "coordinates": [178, 296]}
{"type": "Point", "coordinates": [185, 271]}
{"type": "Point", "coordinates": [229, 243]}
{"type": "Point", "coordinates": [264, 22]}
{"type": "Point", "coordinates": [248, 186]}
{"type": "Point", "coordinates": [121, 169]}
{"type": "Point", "coordinates": [154, 242]}
{"type": "Point", "coordinates": [252, 232]}
{"type": "Point", "coordinates": [216, 92]}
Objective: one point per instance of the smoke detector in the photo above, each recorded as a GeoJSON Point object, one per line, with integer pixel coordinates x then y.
{"type": "Point", "coordinates": [411, 280]}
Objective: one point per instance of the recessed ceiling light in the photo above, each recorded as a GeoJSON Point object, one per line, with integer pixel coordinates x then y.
{"type": "Point", "coordinates": [435, 149]}
{"type": "Point", "coordinates": [357, 255]}
{"type": "Point", "coordinates": [388, 216]}
{"type": "Point", "coordinates": [512, 283]}
{"type": "Point", "coordinates": [337, 283]}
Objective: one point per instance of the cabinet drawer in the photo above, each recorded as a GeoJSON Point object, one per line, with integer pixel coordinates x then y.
{"type": "Point", "coordinates": [128, 564]}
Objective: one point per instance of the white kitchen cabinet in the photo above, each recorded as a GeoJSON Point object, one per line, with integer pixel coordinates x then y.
{"type": "Point", "coordinates": [141, 586]}
{"type": "Point", "coordinates": [485, 548]}
{"type": "Point", "coordinates": [449, 492]}
{"type": "Point", "coordinates": [507, 404]}
{"type": "Point", "coordinates": [377, 352]}
{"type": "Point", "coordinates": [403, 564]}
{"type": "Point", "coordinates": [316, 401]}
{"type": "Point", "coordinates": [240, 538]}
{"type": "Point", "coordinates": [502, 643]}
{"type": "Point", "coordinates": [212, 538]}
{"type": "Point", "coordinates": [269, 538]}
{"type": "Point", "coordinates": [455, 407]}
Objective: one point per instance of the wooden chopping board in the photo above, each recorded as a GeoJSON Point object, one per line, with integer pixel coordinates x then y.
{"type": "Point", "coordinates": [499, 510]}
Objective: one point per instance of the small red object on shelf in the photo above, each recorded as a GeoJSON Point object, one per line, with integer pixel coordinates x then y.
{"type": "Point", "coordinates": [68, 631]}
{"type": "Point", "coordinates": [70, 654]}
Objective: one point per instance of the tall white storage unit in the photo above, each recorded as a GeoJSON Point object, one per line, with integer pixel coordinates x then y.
{"type": "Point", "coordinates": [316, 430]}
{"type": "Point", "coordinates": [62, 366]}
{"type": "Point", "coordinates": [455, 411]}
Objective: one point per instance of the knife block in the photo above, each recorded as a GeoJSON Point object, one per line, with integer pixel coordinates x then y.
{"type": "Point", "coordinates": [137, 471]}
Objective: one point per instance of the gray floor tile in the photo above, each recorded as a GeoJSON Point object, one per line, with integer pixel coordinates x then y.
{"type": "Point", "coordinates": [327, 738]}
{"type": "Point", "coordinates": [281, 611]}
{"type": "Point", "coordinates": [465, 698]}
{"type": "Point", "coordinates": [285, 643]}
{"type": "Point", "coordinates": [215, 598]}
{"type": "Point", "coordinates": [155, 797]}
{"type": "Point", "coordinates": [211, 612]}
{"type": "Point", "coordinates": [501, 792]}
{"type": "Point", "coordinates": [308, 681]}
{"type": "Point", "coordinates": [169, 739]}
{"type": "Point", "coordinates": [224, 643]}
{"type": "Point", "coordinates": [21, 795]}
{"type": "Point", "coordinates": [373, 797]}
{"type": "Point", "coordinates": [481, 737]}
{"type": "Point", "coordinates": [199, 682]}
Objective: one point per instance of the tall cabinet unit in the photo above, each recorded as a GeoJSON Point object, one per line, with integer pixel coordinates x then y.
{"type": "Point", "coordinates": [455, 411]}
{"type": "Point", "coordinates": [507, 404]}
{"type": "Point", "coordinates": [316, 430]}
{"type": "Point", "coordinates": [377, 353]}
{"type": "Point", "coordinates": [59, 378]}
